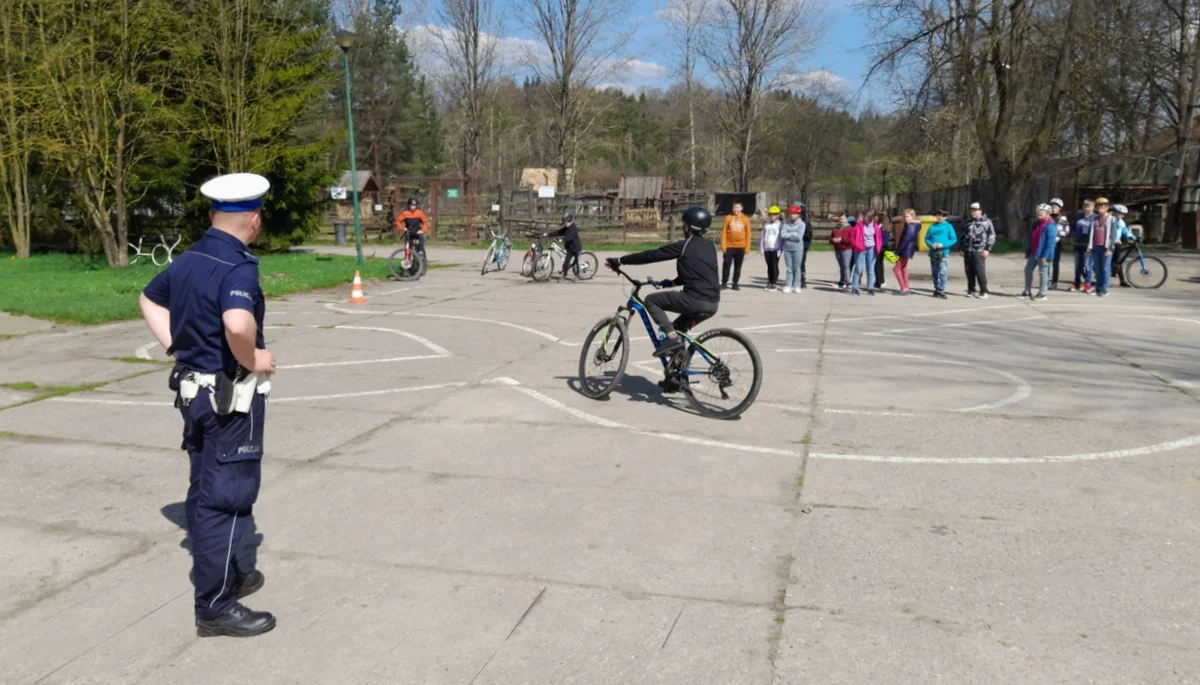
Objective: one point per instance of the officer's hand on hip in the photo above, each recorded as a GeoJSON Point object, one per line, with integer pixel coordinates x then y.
{"type": "Point", "coordinates": [264, 361]}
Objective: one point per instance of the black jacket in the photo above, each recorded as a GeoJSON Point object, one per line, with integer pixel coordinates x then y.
{"type": "Point", "coordinates": [570, 236]}
{"type": "Point", "coordinates": [695, 263]}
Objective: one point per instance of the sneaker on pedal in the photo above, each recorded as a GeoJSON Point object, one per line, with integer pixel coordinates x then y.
{"type": "Point", "coordinates": [669, 347]}
{"type": "Point", "coordinates": [669, 387]}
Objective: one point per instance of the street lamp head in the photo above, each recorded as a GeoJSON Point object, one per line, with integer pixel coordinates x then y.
{"type": "Point", "coordinates": [344, 39]}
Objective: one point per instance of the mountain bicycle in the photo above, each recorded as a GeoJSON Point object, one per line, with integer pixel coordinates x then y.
{"type": "Point", "coordinates": [408, 263]}
{"type": "Point", "coordinates": [161, 254]}
{"type": "Point", "coordinates": [1143, 272]}
{"type": "Point", "coordinates": [588, 264]}
{"type": "Point", "coordinates": [539, 256]}
{"type": "Point", "coordinates": [711, 369]}
{"type": "Point", "coordinates": [498, 253]}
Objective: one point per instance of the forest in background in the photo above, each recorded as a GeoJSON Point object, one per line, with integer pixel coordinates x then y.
{"type": "Point", "coordinates": [112, 112]}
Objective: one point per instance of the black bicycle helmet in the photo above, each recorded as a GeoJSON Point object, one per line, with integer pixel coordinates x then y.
{"type": "Point", "coordinates": [412, 202]}
{"type": "Point", "coordinates": [568, 217]}
{"type": "Point", "coordinates": [697, 218]}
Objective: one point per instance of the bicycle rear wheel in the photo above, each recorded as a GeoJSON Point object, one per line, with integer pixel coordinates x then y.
{"type": "Point", "coordinates": [544, 268]}
{"type": "Point", "coordinates": [505, 253]}
{"type": "Point", "coordinates": [721, 373]}
{"type": "Point", "coordinates": [1151, 276]}
{"type": "Point", "coordinates": [527, 264]}
{"type": "Point", "coordinates": [603, 358]}
{"type": "Point", "coordinates": [487, 261]}
{"type": "Point", "coordinates": [588, 265]}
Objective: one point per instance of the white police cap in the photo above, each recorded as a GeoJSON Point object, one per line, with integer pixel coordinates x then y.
{"type": "Point", "coordinates": [236, 192]}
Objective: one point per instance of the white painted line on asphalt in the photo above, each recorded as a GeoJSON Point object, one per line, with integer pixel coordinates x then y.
{"type": "Point", "coordinates": [502, 380]}
{"type": "Point", "coordinates": [549, 336]}
{"type": "Point", "coordinates": [121, 403]}
{"type": "Point", "coordinates": [366, 393]}
{"type": "Point", "coordinates": [867, 412]}
{"type": "Point", "coordinates": [960, 324]}
{"type": "Point", "coordinates": [143, 352]}
{"type": "Point", "coordinates": [393, 292]}
{"type": "Point", "coordinates": [1064, 458]}
{"type": "Point", "coordinates": [345, 310]}
{"type": "Point", "coordinates": [579, 414]}
{"type": "Point", "coordinates": [880, 317]}
{"type": "Point", "coordinates": [1023, 391]}
{"type": "Point", "coordinates": [431, 346]}
{"type": "Point", "coordinates": [356, 362]}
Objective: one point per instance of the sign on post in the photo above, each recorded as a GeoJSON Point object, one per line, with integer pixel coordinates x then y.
{"type": "Point", "coordinates": [337, 193]}
{"type": "Point", "coordinates": [545, 192]}
{"type": "Point", "coordinates": [452, 193]}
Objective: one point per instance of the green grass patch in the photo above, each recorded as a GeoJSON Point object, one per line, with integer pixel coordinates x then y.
{"type": "Point", "coordinates": [22, 385]}
{"type": "Point", "coordinates": [137, 360]}
{"type": "Point", "coordinates": [83, 290]}
{"type": "Point", "coordinates": [7, 434]}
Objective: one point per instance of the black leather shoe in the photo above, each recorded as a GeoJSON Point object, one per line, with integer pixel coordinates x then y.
{"type": "Point", "coordinates": [249, 584]}
{"type": "Point", "coordinates": [236, 621]}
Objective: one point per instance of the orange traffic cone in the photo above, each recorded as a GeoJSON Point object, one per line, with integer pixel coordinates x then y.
{"type": "Point", "coordinates": [356, 293]}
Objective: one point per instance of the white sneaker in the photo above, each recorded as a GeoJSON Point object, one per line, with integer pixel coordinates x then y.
{"type": "Point", "coordinates": [983, 296]}
{"type": "Point", "coordinates": [787, 288]}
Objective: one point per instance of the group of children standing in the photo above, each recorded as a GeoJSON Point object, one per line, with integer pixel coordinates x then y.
{"type": "Point", "coordinates": [790, 237]}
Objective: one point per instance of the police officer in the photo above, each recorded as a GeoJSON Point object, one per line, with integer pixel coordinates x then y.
{"type": "Point", "coordinates": [207, 310]}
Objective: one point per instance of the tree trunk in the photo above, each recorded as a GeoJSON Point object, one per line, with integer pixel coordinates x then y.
{"type": "Point", "coordinates": [1006, 189]}
{"type": "Point", "coordinates": [692, 135]}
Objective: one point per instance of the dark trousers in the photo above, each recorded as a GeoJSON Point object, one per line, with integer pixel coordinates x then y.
{"type": "Point", "coordinates": [1082, 268]}
{"type": "Point", "coordinates": [734, 256]}
{"type": "Point", "coordinates": [1054, 267]}
{"type": "Point", "coordinates": [976, 267]}
{"type": "Point", "coordinates": [226, 471]}
{"type": "Point", "coordinates": [1120, 254]}
{"type": "Point", "coordinates": [879, 259]}
{"type": "Point", "coordinates": [772, 258]}
{"type": "Point", "coordinates": [691, 309]}
{"type": "Point", "coordinates": [804, 264]}
{"type": "Point", "coordinates": [572, 258]}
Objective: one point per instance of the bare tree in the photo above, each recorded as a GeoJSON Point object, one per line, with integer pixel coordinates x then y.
{"type": "Point", "coordinates": [18, 118]}
{"type": "Point", "coordinates": [583, 43]}
{"type": "Point", "coordinates": [756, 46]}
{"type": "Point", "coordinates": [468, 44]}
{"type": "Point", "coordinates": [1006, 64]}
{"type": "Point", "coordinates": [687, 19]}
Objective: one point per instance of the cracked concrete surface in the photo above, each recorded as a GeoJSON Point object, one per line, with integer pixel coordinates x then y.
{"type": "Point", "coordinates": [422, 521]}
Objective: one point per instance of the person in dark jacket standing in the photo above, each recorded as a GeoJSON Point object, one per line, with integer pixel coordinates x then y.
{"type": "Point", "coordinates": [1081, 230]}
{"type": "Point", "coordinates": [569, 232]}
{"type": "Point", "coordinates": [1063, 230]}
{"type": "Point", "coordinates": [696, 270]}
{"type": "Point", "coordinates": [977, 242]}
{"type": "Point", "coordinates": [906, 247]}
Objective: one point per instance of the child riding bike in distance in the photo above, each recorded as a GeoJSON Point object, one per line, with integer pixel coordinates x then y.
{"type": "Point", "coordinates": [413, 220]}
{"type": "Point", "coordinates": [696, 271]}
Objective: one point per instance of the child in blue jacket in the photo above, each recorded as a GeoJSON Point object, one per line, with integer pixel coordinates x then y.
{"type": "Point", "coordinates": [1040, 252]}
{"type": "Point", "coordinates": [939, 239]}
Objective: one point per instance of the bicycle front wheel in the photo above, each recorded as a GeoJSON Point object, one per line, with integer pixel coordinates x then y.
{"type": "Point", "coordinates": [603, 359]}
{"type": "Point", "coordinates": [505, 253]}
{"type": "Point", "coordinates": [527, 264]}
{"type": "Point", "coordinates": [1152, 275]}
{"type": "Point", "coordinates": [588, 264]}
{"type": "Point", "coordinates": [721, 373]}
{"type": "Point", "coordinates": [405, 269]}
{"type": "Point", "coordinates": [544, 268]}
{"type": "Point", "coordinates": [487, 261]}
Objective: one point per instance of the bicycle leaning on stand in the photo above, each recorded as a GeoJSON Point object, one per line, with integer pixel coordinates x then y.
{"type": "Point", "coordinates": [161, 254]}
{"type": "Point", "coordinates": [498, 253]}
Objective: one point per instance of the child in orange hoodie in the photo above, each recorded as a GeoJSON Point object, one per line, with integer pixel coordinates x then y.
{"type": "Point", "coordinates": [735, 243]}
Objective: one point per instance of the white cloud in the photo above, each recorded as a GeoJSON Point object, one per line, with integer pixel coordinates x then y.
{"type": "Point", "coordinates": [817, 80]}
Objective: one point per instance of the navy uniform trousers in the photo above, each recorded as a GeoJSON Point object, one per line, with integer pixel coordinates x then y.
{"type": "Point", "coordinates": [226, 454]}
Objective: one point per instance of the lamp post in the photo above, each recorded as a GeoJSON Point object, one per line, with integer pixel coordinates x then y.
{"type": "Point", "coordinates": [345, 41]}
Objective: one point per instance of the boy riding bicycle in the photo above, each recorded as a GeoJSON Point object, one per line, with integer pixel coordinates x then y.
{"type": "Point", "coordinates": [696, 270]}
{"type": "Point", "coordinates": [413, 221]}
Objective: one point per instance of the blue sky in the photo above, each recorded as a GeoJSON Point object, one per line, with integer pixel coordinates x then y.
{"type": "Point", "coordinates": [835, 49]}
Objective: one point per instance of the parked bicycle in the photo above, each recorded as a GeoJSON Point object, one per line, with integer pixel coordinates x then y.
{"type": "Point", "coordinates": [498, 253]}
{"type": "Point", "coordinates": [537, 255]}
{"type": "Point", "coordinates": [719, 371]}
{"type": "Point", "coordinates": [161, 254]}
{"type": "Point", "coordinates": [1144, 271]}
{"type": "Point", "coordinates": [408, 263]}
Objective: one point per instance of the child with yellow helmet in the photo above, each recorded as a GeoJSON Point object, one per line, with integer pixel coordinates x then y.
{"type": "Point", "coordinates": [771, 244]}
